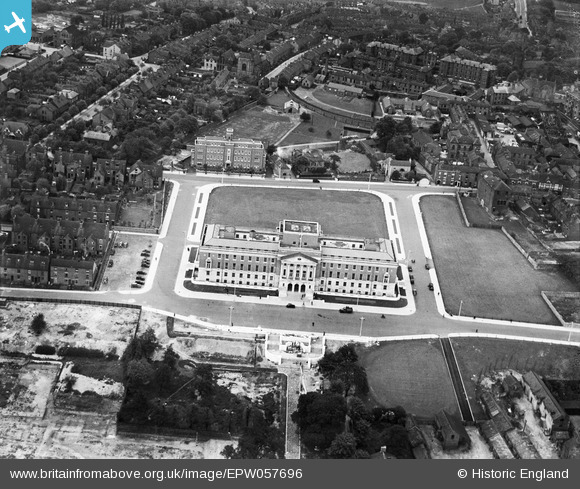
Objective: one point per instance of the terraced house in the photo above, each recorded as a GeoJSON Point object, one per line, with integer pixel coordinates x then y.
{"type": "Point", "coordinates": [297, 258]}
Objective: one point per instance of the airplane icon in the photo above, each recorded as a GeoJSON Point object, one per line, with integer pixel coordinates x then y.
{"type": "Point", "coordinates": [17, 23]}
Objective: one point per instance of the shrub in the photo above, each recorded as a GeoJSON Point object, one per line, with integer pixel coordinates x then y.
{"type": "Point", "coordinates": [80, 351]}
{"type": "Point", "coordinates": [45, 350]}
{"type": "Point", "coordinates": [38, 324]}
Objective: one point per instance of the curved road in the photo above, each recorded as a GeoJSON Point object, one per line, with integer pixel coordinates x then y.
{"type": "Point", "coordinates": [427, 319]}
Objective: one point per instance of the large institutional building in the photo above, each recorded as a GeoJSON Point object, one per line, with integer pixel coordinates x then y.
{"type": "Point", "coordinates": [297, 258]}
{"type": "Point", "coordinates": [453, 66]}
{"type": "Point", "coordinates": [228, 153]}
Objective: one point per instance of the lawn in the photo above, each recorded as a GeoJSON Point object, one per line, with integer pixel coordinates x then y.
{"type": "Point", "coordinates": [453, 4]}
{"type": "Point", "coordinates": [340, 213]}
{"type": "Point", "coordinates": [478, 355]}
{"type": "Point", "coordinates": [411, 374]}
{"type": "Point", "coordinates": [320, 126]}
{"type": "Point", "coordinates": [484, 270]}
{"type": "Point", "coordinates": [346, 103]}
{"type": "Point", "coordinates": [260, 123]}
{"type": "Point", "coordinates": [353, 162]}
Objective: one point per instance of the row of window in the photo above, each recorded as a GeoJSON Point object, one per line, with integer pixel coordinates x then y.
{"type": "Point", "coordinates": [352, 276]}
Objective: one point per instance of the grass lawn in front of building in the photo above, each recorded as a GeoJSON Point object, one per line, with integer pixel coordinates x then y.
{"type": "Point", "coordinates": [340, 213]}
{"type": "Point", "coordinates": [484, 270]}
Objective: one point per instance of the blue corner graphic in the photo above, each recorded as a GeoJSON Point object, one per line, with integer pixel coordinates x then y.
{"type": "Point", "coordinates": [15, 22]}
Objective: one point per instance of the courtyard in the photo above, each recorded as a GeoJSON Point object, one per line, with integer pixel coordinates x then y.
{"type": "Point", "coordinates": [340, 213]}
{"type": "Point", "coordinates": [483, 272]}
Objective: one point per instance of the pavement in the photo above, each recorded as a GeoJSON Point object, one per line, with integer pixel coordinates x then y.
{"type": "Point", "coordinates": [428, 318]}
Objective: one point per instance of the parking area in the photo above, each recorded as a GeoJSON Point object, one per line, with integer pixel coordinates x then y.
{"type": "Point", "coordinates": [127, 261]}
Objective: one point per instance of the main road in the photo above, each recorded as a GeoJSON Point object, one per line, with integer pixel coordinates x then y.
{"type": "Point", "coordinates": [427, 318]}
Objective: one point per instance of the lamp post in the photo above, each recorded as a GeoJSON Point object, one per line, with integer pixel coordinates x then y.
{"type": "Point", "coordinates": [361, 325]}
{"type": "Point", "coordinates": [357, 298]}
{"type": "Point", "coordinates": [231, 310]}
{"type": "Point", "coordinates": [369, 184]}
{"type": "Point", "coordinates": [460, 306]}
{"type": "Point", "coordinates": [223, 173]}
{"type": "Point", "coordinates": [571, 325]}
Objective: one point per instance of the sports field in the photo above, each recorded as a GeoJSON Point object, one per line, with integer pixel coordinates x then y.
{"type": "Point", "coordinates": [411, 374]}
{"type": "Point", "coordinates": [256, 123]}
{"type": "Point", "coordinates": [340, 213]}
{"type": "Point", "coordinates": [484, 270]}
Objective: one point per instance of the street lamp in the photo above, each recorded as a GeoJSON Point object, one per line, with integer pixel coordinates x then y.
{"type": "Point", "coordinates": [357, 298]}
{"type": "Point", "coordinates": [361, 325]}
{"type": "Point", "coordinates": [231, 310]}
{"type": "Point", "coordinates": [571, 329]}
{"type": "Point", "coordinates": [460, 306]}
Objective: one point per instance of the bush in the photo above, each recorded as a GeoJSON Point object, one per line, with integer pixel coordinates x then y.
{"type": "Point", "coordinates": [45, 350]}
{"type": "Point", "coordinates": [38, 324]}
{"type": "Point", "coordinates": [80, 351]}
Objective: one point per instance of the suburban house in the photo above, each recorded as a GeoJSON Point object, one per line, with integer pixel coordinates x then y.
{"type": "Point", "coordinates": [554, 418]}
{"type": "Point", "coordinates": [112, 49]}
{"type": "Point", "coordinates": [25, 269]}
{"type": "Point", "coordinates": [73, 209]}
{"type": "Point", "coordinates": [72, 271]}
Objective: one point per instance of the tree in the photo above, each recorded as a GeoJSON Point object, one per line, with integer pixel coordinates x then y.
{"type": "Point", "coordinates": [149, 342]}
{"type": "Point", "coordinates": [38, 324]}
{"type": "Point", "coordinates": [320, 417]}
{"type": "Point", "coordinates": [305, 117]}
{"type": "Point", "coordinates": [513, 77]}
{"type": "Point", "coordinates": [423, 18]}
{"type": "Point", "coordinates": [139, 372]}
{"type": "Point", "coordinates": [42, 183]}
{"type": "Point", "coordinates": [343, 446]}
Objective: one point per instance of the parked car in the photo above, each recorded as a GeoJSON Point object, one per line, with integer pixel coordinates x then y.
{"type": "Point", "coordinates": [135, 286]}
{"type": "Point", "coordinates": [145, 265]}
{"type": "Point", "coordinates": [140, 280]}
{"type": "Point", "coordinates": [315, 180]}
{"type": "Point", "coordinates": [290, 306]}
{"type": "Point", "coordinates": [346, 310]}
{"type": "Point", "coordinates": [410, 269]}
{"type": "Point", "coordinates": [144, 254]}
{"type": "Point", "coordinates": [412, 279]}
{"type": "Point", "coordinates": [414, 291]}
{"type": "Point", "coordinates": [427, 266]}
{"type": "Point", "coordinates": [141, 272]}
{"type": "Point", "coordinates": [110, 264]}
{"type": "Point", "coordinates": [112, 252]}
{"type": "Point", "coordinates": [431, 287]}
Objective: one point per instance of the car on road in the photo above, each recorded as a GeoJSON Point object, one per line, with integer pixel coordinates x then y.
{"type": "Point", "coordinates": [346, 310]}
{"type": "Point", "coordinates": [290, 306]}
{"type": "Point", "coordinates": [431, 287]}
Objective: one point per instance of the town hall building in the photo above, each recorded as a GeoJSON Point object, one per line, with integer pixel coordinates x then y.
{"type": "Point", "coordinates": [297, 257]}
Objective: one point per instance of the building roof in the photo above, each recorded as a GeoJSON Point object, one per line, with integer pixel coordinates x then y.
{"type": "Point", "coordinates": [541, 392]}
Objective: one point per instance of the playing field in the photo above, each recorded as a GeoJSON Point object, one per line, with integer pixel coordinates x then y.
{"type": "Point", "coordinates": [256, 123]}
{"type": "Point", "coordinates": [411, 374]}
{"type": "Point", "coordinates": [340, 213]}
{"type": "Point", "coordinates": [484, 270]}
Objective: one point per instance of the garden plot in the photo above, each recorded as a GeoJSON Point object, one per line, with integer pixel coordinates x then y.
{"type": "Point", "coordinates": [353, 162]}
{"type": "Point", "coordinates": [252, 385]}
{"type": "Point", "coordinates": [82, 383]}
{"type": "Point", "coordinates": [217, 349]}
{"type": "Point", "coordinates": [107, 329]}
{"type": "Point", "coordinates": [25, 388]}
